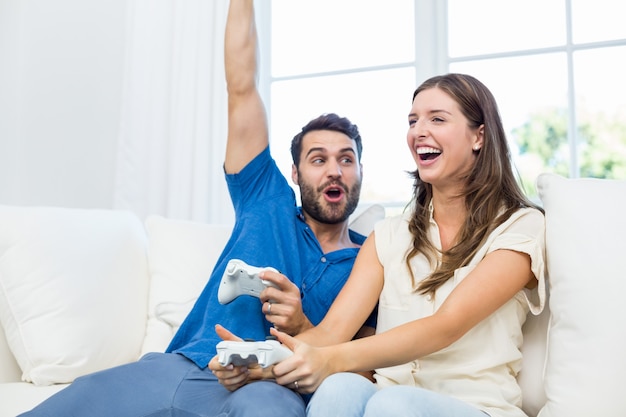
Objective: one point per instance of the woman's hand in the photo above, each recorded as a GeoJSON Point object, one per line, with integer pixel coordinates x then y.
{"type": "Point", "coordinates": [305, 370]}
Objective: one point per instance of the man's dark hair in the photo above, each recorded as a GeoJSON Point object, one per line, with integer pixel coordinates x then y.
{"type": "Point", "coordinates": [327, 121]}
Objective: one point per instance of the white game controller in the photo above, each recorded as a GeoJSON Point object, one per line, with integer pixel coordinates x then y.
{"type": "Point", "coordinates": [264, 353]}
{"type": "Point", "coordinates": [241, 279]}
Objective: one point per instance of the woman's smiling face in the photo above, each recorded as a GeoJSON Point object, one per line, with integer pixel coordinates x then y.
{"type": "Point", "coordinates": [440, 139]}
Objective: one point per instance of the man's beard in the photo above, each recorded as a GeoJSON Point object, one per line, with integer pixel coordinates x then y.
{"type": "Point", "coordinates": [325, 212]}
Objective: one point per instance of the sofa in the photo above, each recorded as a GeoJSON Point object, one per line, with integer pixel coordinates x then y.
{"type": "Point", "coordinates": [86, 289]}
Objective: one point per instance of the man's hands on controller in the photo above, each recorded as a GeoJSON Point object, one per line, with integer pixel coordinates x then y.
{"type": "Point", "coordinates": [282, 306]}
{"type": "Point", "coordinates": [280, 298]}
{"type": "Point", "coordinates": [234, 377]}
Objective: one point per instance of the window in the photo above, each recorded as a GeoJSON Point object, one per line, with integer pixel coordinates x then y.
{"type": "Point", "coordinates": [553, 65]}
{"type": "Point", "coordinates": [354, 58]}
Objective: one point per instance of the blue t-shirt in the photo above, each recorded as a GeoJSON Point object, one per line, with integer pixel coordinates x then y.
{"type": "Point", "coordinates": [269, 230]}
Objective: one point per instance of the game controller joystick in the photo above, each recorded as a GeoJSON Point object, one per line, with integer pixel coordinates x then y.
{"type": "Point", "coordinates": [264, 353]}
{"type": "Point", "coordinates": [241, 279]}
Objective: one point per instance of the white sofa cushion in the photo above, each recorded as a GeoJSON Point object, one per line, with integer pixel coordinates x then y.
{"type": "Point", "coordinates": [533, 349]}
{"type": "Point", "coordinates": [181, 257]}
{"type": "Point", "coordinates": [585, 230]}
{"type": "Point", "coordinates": [365, 217]}
{"type": "Point", "coordinates": [73, 290]}
{"type": "Point", "coordinates": [9, 370]}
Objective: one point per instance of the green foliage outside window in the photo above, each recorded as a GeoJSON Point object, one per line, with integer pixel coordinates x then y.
{"type": "Point", "coordinates": [543, 145]}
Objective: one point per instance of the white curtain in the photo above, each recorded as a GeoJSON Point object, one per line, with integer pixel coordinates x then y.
{"type": "Point", "coordinates": [174, 115]}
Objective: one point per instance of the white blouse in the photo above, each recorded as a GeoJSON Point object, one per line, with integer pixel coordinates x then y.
{"type": "Point", "coordinates": [481, 367]}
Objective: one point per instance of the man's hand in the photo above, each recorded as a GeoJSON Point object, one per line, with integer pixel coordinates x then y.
{"type": "Point", "coordinates": [234, 377]}
{"type": "Point", "coordinates": [282, 306]}
{"type": "Point", "coordinates": [231, 377]}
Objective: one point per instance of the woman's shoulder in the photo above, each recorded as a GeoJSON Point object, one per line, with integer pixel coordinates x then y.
{"type": "Point", "coordinates": [528, 214]}
{"type": "Point", "coordinates": [525, 219]}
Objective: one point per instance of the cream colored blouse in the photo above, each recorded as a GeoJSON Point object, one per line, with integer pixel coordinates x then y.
{"type": "Point", "coordinates": [481, 367]}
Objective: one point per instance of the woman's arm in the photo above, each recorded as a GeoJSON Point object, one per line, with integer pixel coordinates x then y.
{"type": "Point", "coordinates": [494, 281]}
{"type": "Point", "coordinates": [354, 303]}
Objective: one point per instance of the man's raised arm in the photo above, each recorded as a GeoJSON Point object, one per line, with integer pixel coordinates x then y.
{"type": "Point", "coordinates": [247, 121]}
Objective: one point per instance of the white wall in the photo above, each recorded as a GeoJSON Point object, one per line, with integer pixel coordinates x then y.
{"type": "Point", "coordinates": [61, 70]}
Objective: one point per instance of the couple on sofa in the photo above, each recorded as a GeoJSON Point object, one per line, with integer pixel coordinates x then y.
{"type": "Point", "coordinates": [447, 284]}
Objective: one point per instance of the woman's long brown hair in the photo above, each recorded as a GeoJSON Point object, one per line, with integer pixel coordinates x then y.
{"type": "Point", "coordinates": [491, 192]}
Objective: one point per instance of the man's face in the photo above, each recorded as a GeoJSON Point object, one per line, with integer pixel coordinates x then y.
{"type": "Point", "coordinates": [329, 176]}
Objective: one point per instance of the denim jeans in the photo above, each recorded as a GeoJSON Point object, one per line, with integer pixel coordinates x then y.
{"type": "Point", "coordinates": [351, 395]}
{"type": "Point", "coordinates": [166, 385]}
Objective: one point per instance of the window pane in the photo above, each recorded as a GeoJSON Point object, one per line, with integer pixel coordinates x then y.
{"type": "Point", "coordinates": [328, 35]}
{"type": "Point", "coordinates": [601, 112]}
{"type": "Point", "coordinates": [378, 102]}
{"type": "Point", "coordinates": [531, 92]}
{"type": "Point", "coordinates": [488, 26]}
{"type": "Point", "coordinates": [598, 20]}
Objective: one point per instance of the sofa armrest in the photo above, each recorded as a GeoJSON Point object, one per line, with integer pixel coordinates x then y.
{"type": "Point", "coordinates": [9, 370]}
{"type": "Point", "coordinates": [23, 396]}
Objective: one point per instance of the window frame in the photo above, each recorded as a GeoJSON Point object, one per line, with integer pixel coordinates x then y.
{"type": "Point", "coordinates": [432, 57]}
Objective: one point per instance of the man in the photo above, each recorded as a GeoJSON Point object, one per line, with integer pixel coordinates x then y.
{"type": "Point", "coordinates": [311, 246]}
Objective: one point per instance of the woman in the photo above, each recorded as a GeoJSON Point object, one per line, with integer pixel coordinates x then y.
{"type": "Point", "coordinates": [454, 278]}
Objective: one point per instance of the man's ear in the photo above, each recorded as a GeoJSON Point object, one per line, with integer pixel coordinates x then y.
{"type": "Point", "coordinates": [294, 174]}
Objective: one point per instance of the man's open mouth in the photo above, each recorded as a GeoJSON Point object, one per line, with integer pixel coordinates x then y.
{"type": "Point", "coordinates": [334, 193]}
